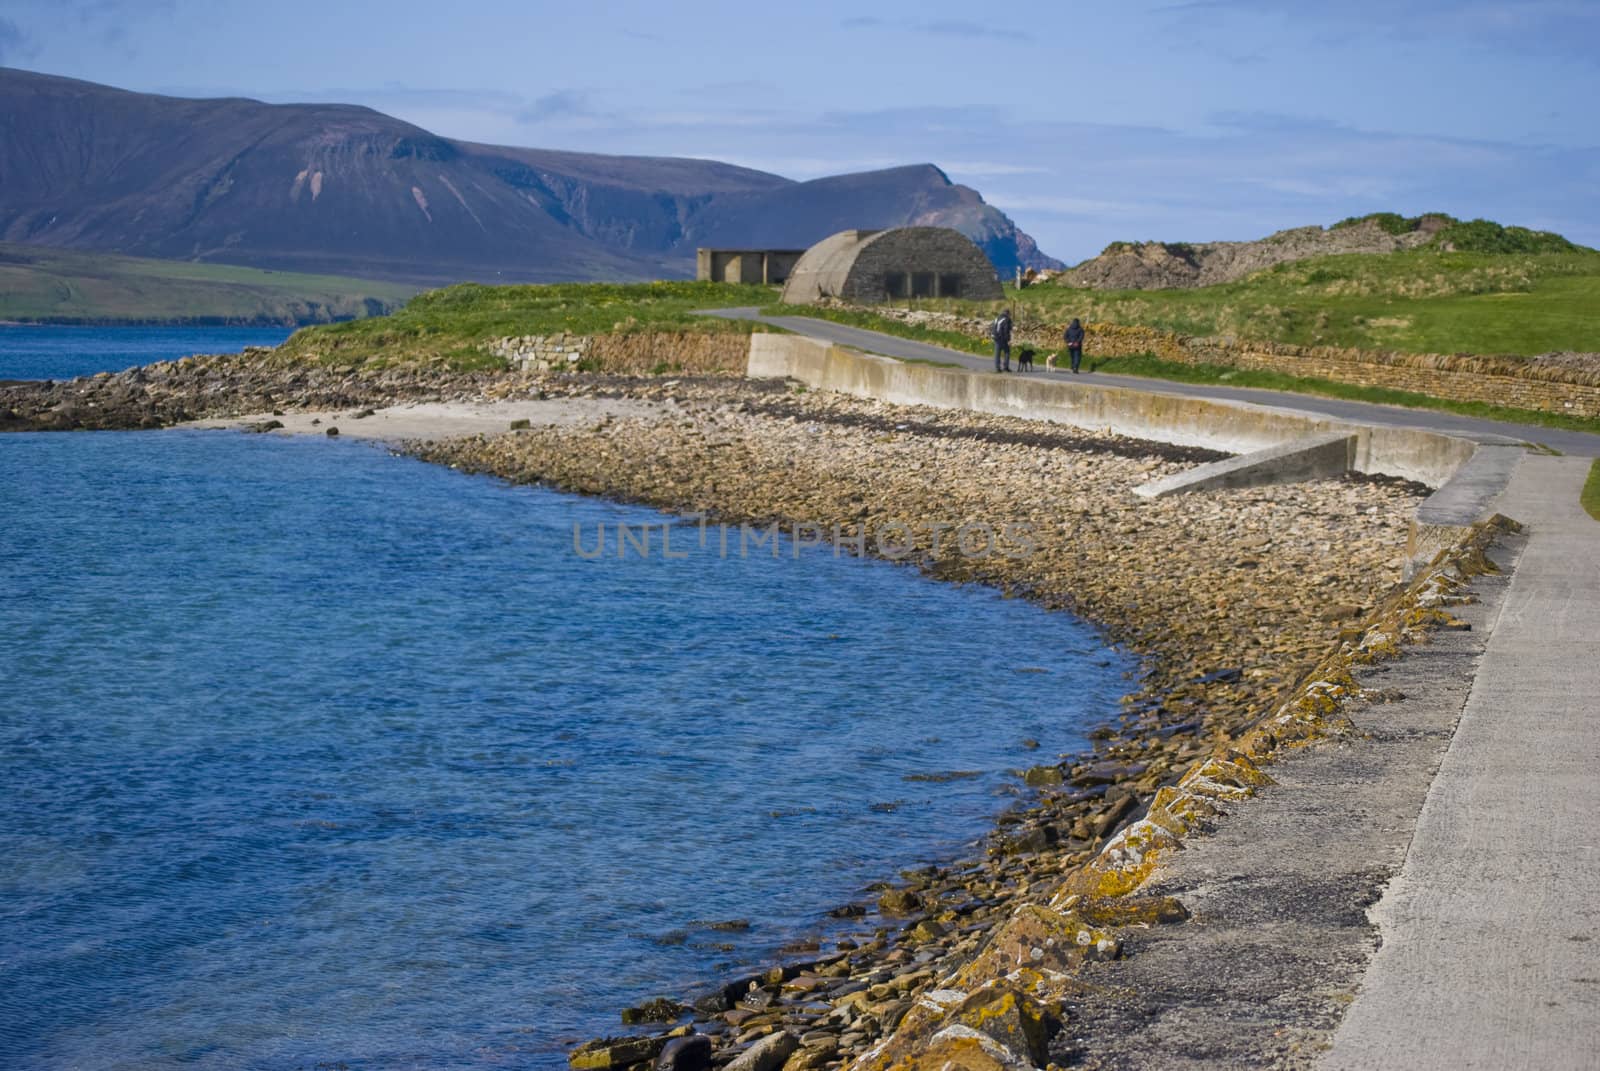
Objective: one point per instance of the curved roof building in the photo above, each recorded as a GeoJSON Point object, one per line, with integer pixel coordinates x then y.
{"type": "Point", "coordinates": [902, 262]}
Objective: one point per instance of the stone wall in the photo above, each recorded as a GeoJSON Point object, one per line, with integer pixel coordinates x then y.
{"type": "Point", "coordinates": [1553, 385]}
{"type": "Point", "coordinates": [541, 353]}
{"type": "Point", "coordinates": [625, 354]}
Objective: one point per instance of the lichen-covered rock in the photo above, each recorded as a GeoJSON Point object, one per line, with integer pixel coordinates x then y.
{"type": "Point", "coordinates": [899, 902]}
{"type": "Point", "coordinates": [604, 1054]}
{"type": "Point", "coordinates": [1008, 1016]}
{"type": "Point", "coordinates": [960, 1048]}
{"type": "Point", "coordinates": [1230, 775]}
{"type": "Point", "coordinates": [1038, 938]}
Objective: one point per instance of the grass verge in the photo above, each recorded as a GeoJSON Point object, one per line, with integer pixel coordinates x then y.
{"type": "Point", "coordinates": [1590, 498]}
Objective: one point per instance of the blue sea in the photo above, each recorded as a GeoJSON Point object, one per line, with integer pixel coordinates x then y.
{"type": "Point", "coordinates": [312, 754]}
{"type": "Point", "coordinates": [34, 351]}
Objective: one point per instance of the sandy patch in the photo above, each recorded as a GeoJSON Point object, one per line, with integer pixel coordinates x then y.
{"type": "Point", "coordinates": [439, 420]}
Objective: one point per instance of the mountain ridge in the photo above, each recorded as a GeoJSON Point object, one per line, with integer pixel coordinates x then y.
{"type": "Point", "coordinates": [344, 189]}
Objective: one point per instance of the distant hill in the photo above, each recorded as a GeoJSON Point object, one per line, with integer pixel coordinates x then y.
{"type": "Point", "coordinates": [58, 286]}
{"type": "Point", "coordinates": [339, 189]}
{"type": "Point", "coordinates": [1184, 265]}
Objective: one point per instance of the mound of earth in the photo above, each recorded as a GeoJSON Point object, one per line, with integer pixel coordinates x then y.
{"type": "Point", "coordinates": [1181, 265]}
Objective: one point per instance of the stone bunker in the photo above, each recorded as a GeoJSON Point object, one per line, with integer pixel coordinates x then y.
{"type": "Point", "coordinates": [902, 262]}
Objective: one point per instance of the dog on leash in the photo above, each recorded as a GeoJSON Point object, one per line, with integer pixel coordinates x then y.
{"type": "Point", "coordinates": [1024, 359]}
{"type": "Point", "coordinates": [1050, 361]}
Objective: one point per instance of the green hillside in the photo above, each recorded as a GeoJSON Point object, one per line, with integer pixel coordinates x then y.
{"type": "Point", "coordinates": [1419, 301]}
{"type": "Point", "coordinates": [453, 326]}
{"type": "Point", "coordinates": [58, 286]}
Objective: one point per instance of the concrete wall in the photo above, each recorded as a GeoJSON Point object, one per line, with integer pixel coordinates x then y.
{"type": "Point", "coordinates": [1415, 454]}
{"type": "Point", "coordinates": [766, 266]}
{"type": "Point", "coordinates": [1469, 477]}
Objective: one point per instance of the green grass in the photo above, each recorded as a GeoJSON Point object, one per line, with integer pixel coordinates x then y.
{"type": "Point", "coordinates": [1261, 380]}
{"type": "Point", "coordinates": [1469, 236]}
{"type": "Point", "coordinates": [1420, 301]}
{"type": "Point", "coordinates": [931, 364]}
{"type": "Point", "coordinates": [1413, 302]}
{"type": "Point", "coordinates": [1590, 498]}
{"type": "Point", "coordinates": [1156, 368]}
{"type": "Point", "coordinates": [57, 286]}
{"type": "Point", "coordinates": [453, 327]}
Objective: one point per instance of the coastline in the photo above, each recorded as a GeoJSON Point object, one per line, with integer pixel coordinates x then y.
{"type": "Point", "coordinates": [1250, 599]}
{"type": "Point", "coordinates": [801, 458]}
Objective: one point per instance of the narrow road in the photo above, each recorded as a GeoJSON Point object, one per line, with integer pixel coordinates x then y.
{"type": "Point", "coordinates": [1491, 930]}
{"type": "Point", "coordinates": [1584, 444]}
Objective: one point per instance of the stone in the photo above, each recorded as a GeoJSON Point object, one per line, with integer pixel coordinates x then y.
{"type": "Point", "coordinates": [813, 1057]}
{"type": "Point", "coordinates": [1039, 776]}
{"type": "Point", "coordinates": [1008, 1016]}
{"type": "Point", "coordinates": [690, 1053]}
{"type": "Point", "coordinates": [604, 1054]}
{"type": "Point", "coordinates": [899, 902]}
{"type": "Point", "coordinates": [768, 1054]}
{"type": "Point", "coordinates": [1038, 938]}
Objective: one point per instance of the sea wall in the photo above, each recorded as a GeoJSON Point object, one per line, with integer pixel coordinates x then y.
{"type": "Point", "coordinates": [1427, 457]}
{"type": "Point", "coordinates": [1569, 385]}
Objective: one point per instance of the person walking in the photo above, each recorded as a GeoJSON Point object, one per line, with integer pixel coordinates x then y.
{"type": "Point", "coordinates": [1073, 337]}
{"type": "Point", "coordinates": [1001, 333]}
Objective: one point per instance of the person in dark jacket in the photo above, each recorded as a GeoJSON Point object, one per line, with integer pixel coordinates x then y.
{"type": "Point", "coordinates": [1001, 332]}
{"type": "Point", "coordinates": [1073, 337]}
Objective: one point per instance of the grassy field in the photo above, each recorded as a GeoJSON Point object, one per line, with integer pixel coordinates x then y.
{"type": "Point", "coordinates": [453, 326]}
{"type": "Point", "coordinates": [1206, 373]}
{"type": "Point", "coordinates": [1415, 302]}
{"type": "Point", "coordinates": [57, 286]}
{"type": "Point", "coordinates": [1422, 301]}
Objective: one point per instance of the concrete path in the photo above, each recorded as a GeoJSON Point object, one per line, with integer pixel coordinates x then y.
{"type": "Point", "coordinates": [1568, 442]}
{"type": "Point", "coordinates": [1491, 930]}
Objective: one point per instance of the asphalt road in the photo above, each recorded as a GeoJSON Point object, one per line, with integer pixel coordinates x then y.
{"type": "Point", "coordinates": [1578, 443]}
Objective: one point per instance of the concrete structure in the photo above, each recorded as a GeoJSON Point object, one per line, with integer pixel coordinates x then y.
{"type": "Point", "coordinates": [766, 266]}
{"type": "Point", "coordinates": [1314, 457]}
{"type": "Point", "coordinates": [899, 263]}
{"type": "Point", "coordinates": [1418, 454]}
{"type": "Point", "coordinates": [1489, 930]}
{"type": "Point", "coordinates": [1412, 453]}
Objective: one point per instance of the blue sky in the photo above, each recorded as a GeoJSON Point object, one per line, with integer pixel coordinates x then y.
{"type": "Point", "coordinates": [1087, 122]}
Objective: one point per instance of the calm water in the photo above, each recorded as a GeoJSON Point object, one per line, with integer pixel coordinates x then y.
{"type": "Point", "coordinates": [310, 753]}
{"type": "Point", "coordinates": [28, 351]}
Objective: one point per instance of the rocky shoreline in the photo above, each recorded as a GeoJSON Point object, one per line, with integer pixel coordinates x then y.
{"type": "Point", "coordinates": [1247, 607]}
{"type": "Point", "coordinates": [1232, 598]}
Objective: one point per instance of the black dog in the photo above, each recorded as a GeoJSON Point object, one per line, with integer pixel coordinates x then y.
{"type": "Point", "coordinates": [1024, 359]}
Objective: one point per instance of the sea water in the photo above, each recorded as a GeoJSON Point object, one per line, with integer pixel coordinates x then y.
{"type": "Point", "coordinates": [37, 351]}
{"type": "Point", "coordinates": [314, 755]}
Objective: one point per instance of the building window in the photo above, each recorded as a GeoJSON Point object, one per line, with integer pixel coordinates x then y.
{"type": "Point", "coordinates": [894, 284]}
{"type": "Point", "coordinates": [950, 286]}
{"type": "Point", "coordinates": [922, 284]}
